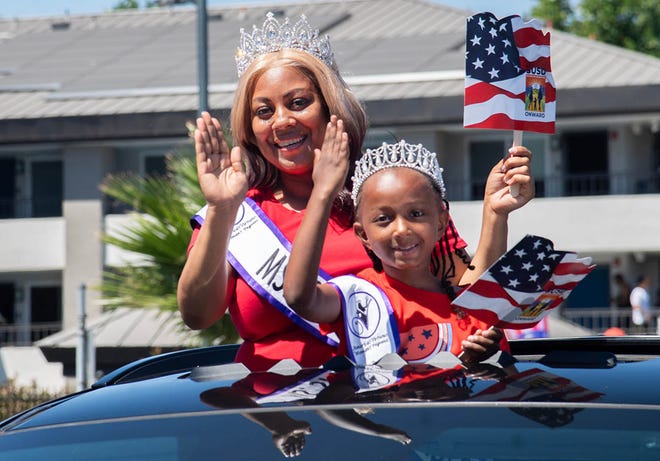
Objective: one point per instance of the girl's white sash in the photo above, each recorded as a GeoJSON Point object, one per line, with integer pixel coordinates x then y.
{"type": "Point", "coordinates": [259, 252]}
{"type": "Point", "coordinates": [370, 324]}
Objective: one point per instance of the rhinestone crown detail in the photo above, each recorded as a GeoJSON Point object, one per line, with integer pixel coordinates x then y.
{"type": "Point", "coordinates": [276, 36]}
{"type": "Point", "coordinates": [400, 154]}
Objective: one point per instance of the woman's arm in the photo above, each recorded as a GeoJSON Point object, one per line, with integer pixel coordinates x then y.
{"type": "Point", "coordinates": [313, 301]}
{"type": "Point", "coordinates": [204, 287]}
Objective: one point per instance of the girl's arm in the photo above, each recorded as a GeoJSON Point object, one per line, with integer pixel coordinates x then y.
{"type": "Point", "coordinates": [317, 302]}
{"type": "Point", "coordinates": [498, 203]}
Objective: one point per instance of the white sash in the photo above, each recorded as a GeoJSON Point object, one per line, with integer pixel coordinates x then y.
{"type": "Point", "coordinates": [365, 379]}
{"type": "Point", "coordinates": [306, 389]}
{"type": "Point", "coordinates": [373, 377]}
{"type": "Point", "coordinates": [259, 252]}
{"type": "Point", "coordinates": [371, 328]}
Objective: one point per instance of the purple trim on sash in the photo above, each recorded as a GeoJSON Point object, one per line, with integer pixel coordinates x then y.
{"type": "Point", "coordinates": [277, 233]}
{"type": "Point", "coordinates": [197, 218]}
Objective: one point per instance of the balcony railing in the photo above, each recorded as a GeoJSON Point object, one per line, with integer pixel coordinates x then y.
{"type": "Point", "coordinates": [26, 334]}
{"type": "Point", "coordinates": [567, 185]}
{"type": "Point", "coordinates": [600, 319]}
{"type": "Point", "coordinates": [30, 208]}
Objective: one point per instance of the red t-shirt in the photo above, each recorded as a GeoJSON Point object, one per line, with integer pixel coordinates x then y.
{"type": "Point", "coordinates": [268, 335]}
{"type": "Point", "coordinates": [427, 324]}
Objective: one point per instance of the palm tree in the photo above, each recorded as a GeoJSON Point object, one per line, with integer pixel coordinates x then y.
{"type": "Point", "coordinates": [159, 232]}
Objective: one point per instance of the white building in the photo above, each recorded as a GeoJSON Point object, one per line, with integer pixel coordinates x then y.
{"type": "Point", "coordinates": [85, 96]}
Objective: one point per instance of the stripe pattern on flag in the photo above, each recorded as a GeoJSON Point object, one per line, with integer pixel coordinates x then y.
{"type": "Point", "coordinates": [524, 284]}
{"type": "Point", "coordinates": [508, 77]}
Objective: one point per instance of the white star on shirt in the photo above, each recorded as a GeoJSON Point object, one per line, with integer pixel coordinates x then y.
{"type": "Point", "coordinates": [503, 26]}
{"type": "Point", "coordinates": [504, 58]}
{"type": "Point", "coordinates": [494, 73]}
{"type": "Point", "coordinates": [527, 266]}
{"type": "Point", "coordinates": [491, 49]}
{"type": "Point", "coordinates": [514, 283]}
{"type": "Point", "coordinates": [492, 32]}
{"type": "Point", "coordinates": [481, 23]}
{"type": "Point", "coordinates": [506, 269]}
{"type": "Point", "coordinates": [506, 42]}
{"type": "Point", "coordinates": [540, 256]}
{"type": "Point", "coordinates": [520, 253]}
{"type": "Point", "coordinates": [475, 40]}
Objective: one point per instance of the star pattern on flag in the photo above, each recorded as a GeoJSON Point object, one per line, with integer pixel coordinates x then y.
{"type": "Point", "coordinates": [490, 53]}
{"type": "Point", "coordinates": [528, 266]}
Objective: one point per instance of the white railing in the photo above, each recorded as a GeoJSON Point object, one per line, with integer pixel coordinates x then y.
{"type": "Point", "coordinates": [600, 319]}
{"type": "Point", "coordinates": [26, 334]}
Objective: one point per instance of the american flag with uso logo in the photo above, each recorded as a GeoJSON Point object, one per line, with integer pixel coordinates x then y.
{"type": "Point", "coordinates": [508, 79]}
{"type": "Point", "coordinates": [524, 284]}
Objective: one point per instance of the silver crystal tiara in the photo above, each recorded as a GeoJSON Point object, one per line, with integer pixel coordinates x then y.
{"type": "Point", "coordinates": [276, 36]}
{"type": "Point", "coordinates": [400, 154]}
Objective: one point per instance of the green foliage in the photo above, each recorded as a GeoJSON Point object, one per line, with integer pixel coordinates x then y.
{"type": "Point", "coordinates": [126, 5]}
{"type": "Point", "coordinates": [556, 12]}
{"type": "Point", "coordinates": [14, 399]}
{"type": "Point", "coordinates": [159, 234]}
{"type": "Point", "coordinates": [134, 5]}
{"type": "Point", "coordinates": [631, 24]}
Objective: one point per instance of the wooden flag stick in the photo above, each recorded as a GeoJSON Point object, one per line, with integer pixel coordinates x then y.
{"type": "Point", "coordinates": [517, 141]}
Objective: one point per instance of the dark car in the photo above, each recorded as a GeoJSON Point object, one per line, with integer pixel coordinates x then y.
{"type": "Point", "coordinates": [592, 398]}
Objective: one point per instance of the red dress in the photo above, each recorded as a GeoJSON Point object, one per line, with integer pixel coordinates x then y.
{"type": "Point", "coordinates": [268, 335]}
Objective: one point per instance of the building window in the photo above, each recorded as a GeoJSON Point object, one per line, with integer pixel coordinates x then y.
{"type": "Point", "coordinates": [46, 178]}
{"type": "Point", "coordinates": [155, 165]}
{"type": "Point", "coordinates": [30, 186]}
{"type": "Point", "coordinates": [45, 310]}
{"type": "Point", "coordinates": [585, 160]}
{"type": "Point", "coordinates": [483, 156]}
{"type": "Point", "coordinates": [7, 187]}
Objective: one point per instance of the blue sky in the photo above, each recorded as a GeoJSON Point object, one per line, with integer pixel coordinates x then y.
{"type": "Point", "coordinates": [32, 8]}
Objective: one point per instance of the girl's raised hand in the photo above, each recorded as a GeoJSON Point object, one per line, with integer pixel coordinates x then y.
{"type": "Point", "coordinates": [220, 171]}
{"type": "Point", "coordinates": [515, 168]}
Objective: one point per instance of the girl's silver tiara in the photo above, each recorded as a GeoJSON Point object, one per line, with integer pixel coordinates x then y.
{"type": "Point", "coordinates": [400, 154]}
{"type": "Point", "coordinates": [276, 36]}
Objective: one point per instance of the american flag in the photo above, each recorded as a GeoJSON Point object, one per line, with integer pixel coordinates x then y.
{"type": "Point", "coordinates": [508, 80]}
{"type": "Point", "coordinates": [524, 284]}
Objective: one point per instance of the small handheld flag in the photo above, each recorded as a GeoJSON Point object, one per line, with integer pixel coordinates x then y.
{"type": "Point", "coordinates": [508, 78]}
{"type": "Point", "coordinates": [524, 284]}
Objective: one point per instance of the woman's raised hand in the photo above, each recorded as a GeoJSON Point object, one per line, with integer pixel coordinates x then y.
{"type": "Point", "coordinates": [220, 171]}
{"type": "Point", "coordinates": [331, 161]}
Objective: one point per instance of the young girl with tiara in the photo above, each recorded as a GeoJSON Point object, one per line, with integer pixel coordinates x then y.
{"type": "Point", "coordinates": [399, 305]}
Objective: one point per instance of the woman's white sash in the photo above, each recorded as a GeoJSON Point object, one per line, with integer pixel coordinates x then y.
{"type": "Point", "coordinates": [369, 321]}
{"type": "Point", "coordinates": [259, 252]}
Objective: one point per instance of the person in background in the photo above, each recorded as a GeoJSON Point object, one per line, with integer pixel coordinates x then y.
{"type": "Point", "coordinates": [399, 305]}
{"type": "Point", "coordinates": [621, 300]}
{"type": "Point", "coordinates": [257, 194]}
{"type": "Point", "coordinates": [640, 301]}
